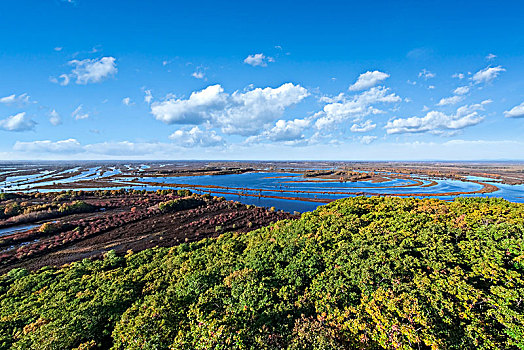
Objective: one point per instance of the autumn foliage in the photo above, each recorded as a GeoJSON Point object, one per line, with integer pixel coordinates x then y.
{"type": "Point", "coordinates": [359, 273]}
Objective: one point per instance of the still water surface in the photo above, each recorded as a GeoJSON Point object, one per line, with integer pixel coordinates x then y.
{"type": "Point", "coordinates": [246, 187]}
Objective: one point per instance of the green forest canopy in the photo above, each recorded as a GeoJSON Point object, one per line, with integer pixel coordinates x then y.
{"type": "Point", "coordinates": [359, 273]}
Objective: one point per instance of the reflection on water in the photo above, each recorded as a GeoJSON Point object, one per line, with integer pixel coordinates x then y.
{"type": "Point", "coordinates": [14, 229]}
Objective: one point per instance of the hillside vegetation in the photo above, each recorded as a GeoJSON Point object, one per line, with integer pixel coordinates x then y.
{"type": "Point", "coordinates": [359, 273]}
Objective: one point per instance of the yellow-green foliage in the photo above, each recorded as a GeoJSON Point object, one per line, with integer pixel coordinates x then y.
{"type": "Point", "coordinates": [12, 209]}
{"type": "Point", "coordinates": [179, 204]}
{"type": "Point", "coordinates": [360, 273]}
{"type": "Point", "coordinates": [49, 227]}
{"type": "Point", "coordinates": [75, 207]}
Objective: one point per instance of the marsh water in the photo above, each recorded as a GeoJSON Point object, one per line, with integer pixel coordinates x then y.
{"type": "Point", "coordinates": [242, 187]}
{"type": "Point", "coordinates": [295, 192]}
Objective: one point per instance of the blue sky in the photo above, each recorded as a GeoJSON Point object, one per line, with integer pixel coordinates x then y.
{"type": "Point", "coordinates": [346, 80]}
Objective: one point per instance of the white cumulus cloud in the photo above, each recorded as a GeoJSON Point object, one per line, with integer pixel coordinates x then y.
{"type": "Point", "coordinates": [196, 138]}
{"type": "Point", "coordinates": [426, 74]}
{"type": "Point", "coordinates": [17, 122]}
{"type": "Point", "coordinates": [367, 139]}
{"type": "Point", "coordinates": [368, 79]}
{"type": "Point", "coordinates": [198, 75]}
{"type": "Point", "coordinates": [453, 100]}
{"type": "Point", "coordinates": [363, 127]}
{"type": "Point", "coordinates": [487, 74]}
{"type": "Point", "coordinates": [54, 118]}
{"type": "Point", "coordinates": [65, 80]}
{"type": "Point", "coordinates": [353, 108]}
{"type": "Point", "coordinates": [241, 113]}
{"type": "Point", "coordinates": [250, 111]}
{"type": "Point", "coordinates": [515, 112]}
{"type": "Point", "coordinates": [461, 90]}
{"type": "Point", "coordinates": [92, 70]}
{"type": "Point", "coordinates": [195, 110]}
{"type": "Point", "coordinates": [79, 114]}
{"type": "Point", "coordinates": [258, 59]}
{"type": "Point", "coordinates": [438, 122]}
{"type": "Point", "coordinates": [288, 131]}
{"type": "Point", "coordinates": [15, 99]}
{"type": "Point", "coordinates": [47, 146]}
{"type": "Point", "coordinates": [148, 96]}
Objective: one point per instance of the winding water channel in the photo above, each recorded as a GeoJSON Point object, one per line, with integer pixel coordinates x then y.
{"type": "Point", "coordinates": [286, 191]}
